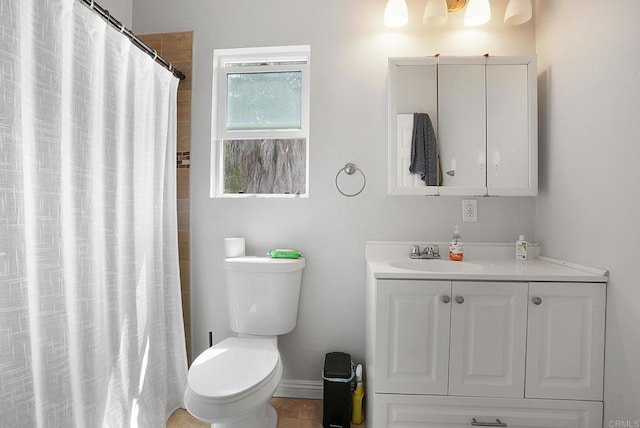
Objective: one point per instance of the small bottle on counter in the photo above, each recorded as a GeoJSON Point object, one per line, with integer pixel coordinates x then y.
{"type": "Point", "coordinates": [456, 250]}
{"type": "Point", "coordinates": [521, 248]}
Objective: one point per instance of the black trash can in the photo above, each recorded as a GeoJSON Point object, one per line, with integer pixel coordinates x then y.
{"type": "Point", "coordinates": [337, 374]}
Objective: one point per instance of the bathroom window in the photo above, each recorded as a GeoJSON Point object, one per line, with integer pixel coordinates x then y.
{"type": "Point", "coordinates": [260, 132]}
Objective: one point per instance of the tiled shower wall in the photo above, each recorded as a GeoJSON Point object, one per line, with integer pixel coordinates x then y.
{"type": "Point", "coordinates": [176, 48]}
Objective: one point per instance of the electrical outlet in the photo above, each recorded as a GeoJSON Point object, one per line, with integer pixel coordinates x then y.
{"type": "Point", "coordinates": [469, 210]}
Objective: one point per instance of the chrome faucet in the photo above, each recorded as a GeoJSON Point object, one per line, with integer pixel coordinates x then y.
{"type": "Point", "coordinates": [429, 252]}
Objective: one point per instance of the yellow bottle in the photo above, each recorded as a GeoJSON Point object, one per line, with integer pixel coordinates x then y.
{"type": "Point", "coordinates": [357, 415]}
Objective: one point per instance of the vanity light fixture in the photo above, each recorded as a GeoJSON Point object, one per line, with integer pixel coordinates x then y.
{"type": "Point", "coordinates": [518, 12]}
{"type": "Point", "coordinates": [396, 13]}
{"type": "Point", "coordinates": [478, 12]}
{"type": "Point", "coordinates": [435, 12]}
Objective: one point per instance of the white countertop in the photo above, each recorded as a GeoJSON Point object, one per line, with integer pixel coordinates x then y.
{"type": "Point", "coordinates": [482, 262]}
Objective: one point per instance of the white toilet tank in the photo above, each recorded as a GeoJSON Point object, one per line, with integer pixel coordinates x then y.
{"type": "Point", "coordinates": [263, 294]}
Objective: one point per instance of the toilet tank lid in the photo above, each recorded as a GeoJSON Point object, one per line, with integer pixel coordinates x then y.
{"type": "Point", "coordinates": [263, 264]}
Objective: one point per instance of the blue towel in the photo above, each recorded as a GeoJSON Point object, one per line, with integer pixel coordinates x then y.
{"type": "Point", "coordinates": [424, 151]}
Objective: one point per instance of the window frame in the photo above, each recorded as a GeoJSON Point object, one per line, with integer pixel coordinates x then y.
{"type": "Point", "coordinates": [227, 61]}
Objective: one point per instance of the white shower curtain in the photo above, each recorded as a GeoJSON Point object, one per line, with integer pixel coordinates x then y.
{"type": "Point", "coordinates": [91, 328]}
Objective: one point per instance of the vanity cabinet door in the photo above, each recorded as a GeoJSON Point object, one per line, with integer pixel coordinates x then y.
{"type": "Point", "coordinates": [412, 336]}
{"type": "Point", "coordinates": [488, 339]}
{"type": "Point", "coordinates": [565, 351]}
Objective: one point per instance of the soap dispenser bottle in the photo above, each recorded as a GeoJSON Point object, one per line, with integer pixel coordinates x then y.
{"type": "Point", "coordinates": [455, 246]}
{"type": "Point", "coordinates": [521, 248]}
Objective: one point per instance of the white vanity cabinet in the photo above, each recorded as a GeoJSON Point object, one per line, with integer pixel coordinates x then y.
{"type": "Point", "coordinates": [460, 338]}
{"type": "Point", "coordinates": [457, 353]}
{"type": "Point", "coordinates": [484, 112]}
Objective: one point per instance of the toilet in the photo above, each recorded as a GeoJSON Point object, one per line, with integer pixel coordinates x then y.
{"type": "Point", "coordinates": [229, 385]}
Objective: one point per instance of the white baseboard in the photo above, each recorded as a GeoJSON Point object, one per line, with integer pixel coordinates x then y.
{"type": "Point", "coordinates": [291, 388]}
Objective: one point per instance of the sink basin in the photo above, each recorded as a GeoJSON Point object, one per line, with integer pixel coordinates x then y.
{"type": "Point", "coordinates": [437, 265]}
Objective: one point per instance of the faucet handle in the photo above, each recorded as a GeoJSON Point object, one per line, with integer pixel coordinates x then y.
{"type": "Point", "coordinates": [415, 250]}
{"type": "Point", "coordinates": [436, 251]}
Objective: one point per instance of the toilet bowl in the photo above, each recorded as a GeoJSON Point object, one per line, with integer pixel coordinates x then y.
{"type": "Point", "coordinates": [229, 384]}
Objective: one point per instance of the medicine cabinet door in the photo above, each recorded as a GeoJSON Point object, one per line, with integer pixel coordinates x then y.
{"type": "Point", "coordinates": [511, 129]}
{"type": "Point", "coordinates": [462, 125]}
{"type": "Point", "coordinates": [412, 89]}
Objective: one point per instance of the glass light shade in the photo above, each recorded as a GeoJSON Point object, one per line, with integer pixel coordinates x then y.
{"type": "Point", "coordinates": [396, 13]}
{"type": "Point", "coordinates": [518, 12]}
{"type": "Point", "coordinates": [435, 13]}
{"type": "Point", "coordinates": [478, 12]}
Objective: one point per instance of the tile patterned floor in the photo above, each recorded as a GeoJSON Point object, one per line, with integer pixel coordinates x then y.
{"type": "Point", "coordinates": [292, 413]}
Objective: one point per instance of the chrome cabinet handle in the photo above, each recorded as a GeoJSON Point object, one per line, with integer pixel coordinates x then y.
{"type": "Point", "coordinates": [445, 299]}
{"type": "Point", "coordinates": [459, 299]}
{"type": "Point", "coordinates": [497, 423]}
{"type": "Point", "coordinates": [536, 300]}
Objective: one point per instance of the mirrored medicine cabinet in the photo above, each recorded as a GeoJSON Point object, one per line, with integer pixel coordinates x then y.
{"type": "Point", "coordinates": [484, 115]}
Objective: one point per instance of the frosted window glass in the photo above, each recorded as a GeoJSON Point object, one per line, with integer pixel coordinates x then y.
{"type": "Point", "coordinates": [264, 100]}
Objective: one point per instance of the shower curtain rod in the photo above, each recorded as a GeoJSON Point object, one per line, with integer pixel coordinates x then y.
{"type": "Point", "coordinates": [104, 13]}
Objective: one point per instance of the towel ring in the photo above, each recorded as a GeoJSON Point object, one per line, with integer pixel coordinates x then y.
{"type": "Point", "coordinates": [351, 169]}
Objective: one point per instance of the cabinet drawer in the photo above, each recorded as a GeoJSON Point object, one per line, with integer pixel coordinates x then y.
{"type": "Point", "coordinates": [400, 411]}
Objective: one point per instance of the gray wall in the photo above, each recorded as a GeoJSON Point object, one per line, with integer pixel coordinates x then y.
{"type": "Point", "coordinates": [122, 10]}
{"type": "Point", "coordinates": [589, 203]}
{"type": "Point", "coordinates": [349, 51]}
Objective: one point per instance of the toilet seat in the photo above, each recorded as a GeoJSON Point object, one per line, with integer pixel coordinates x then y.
{"type": "Point", "coordinates": [233, 369]}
